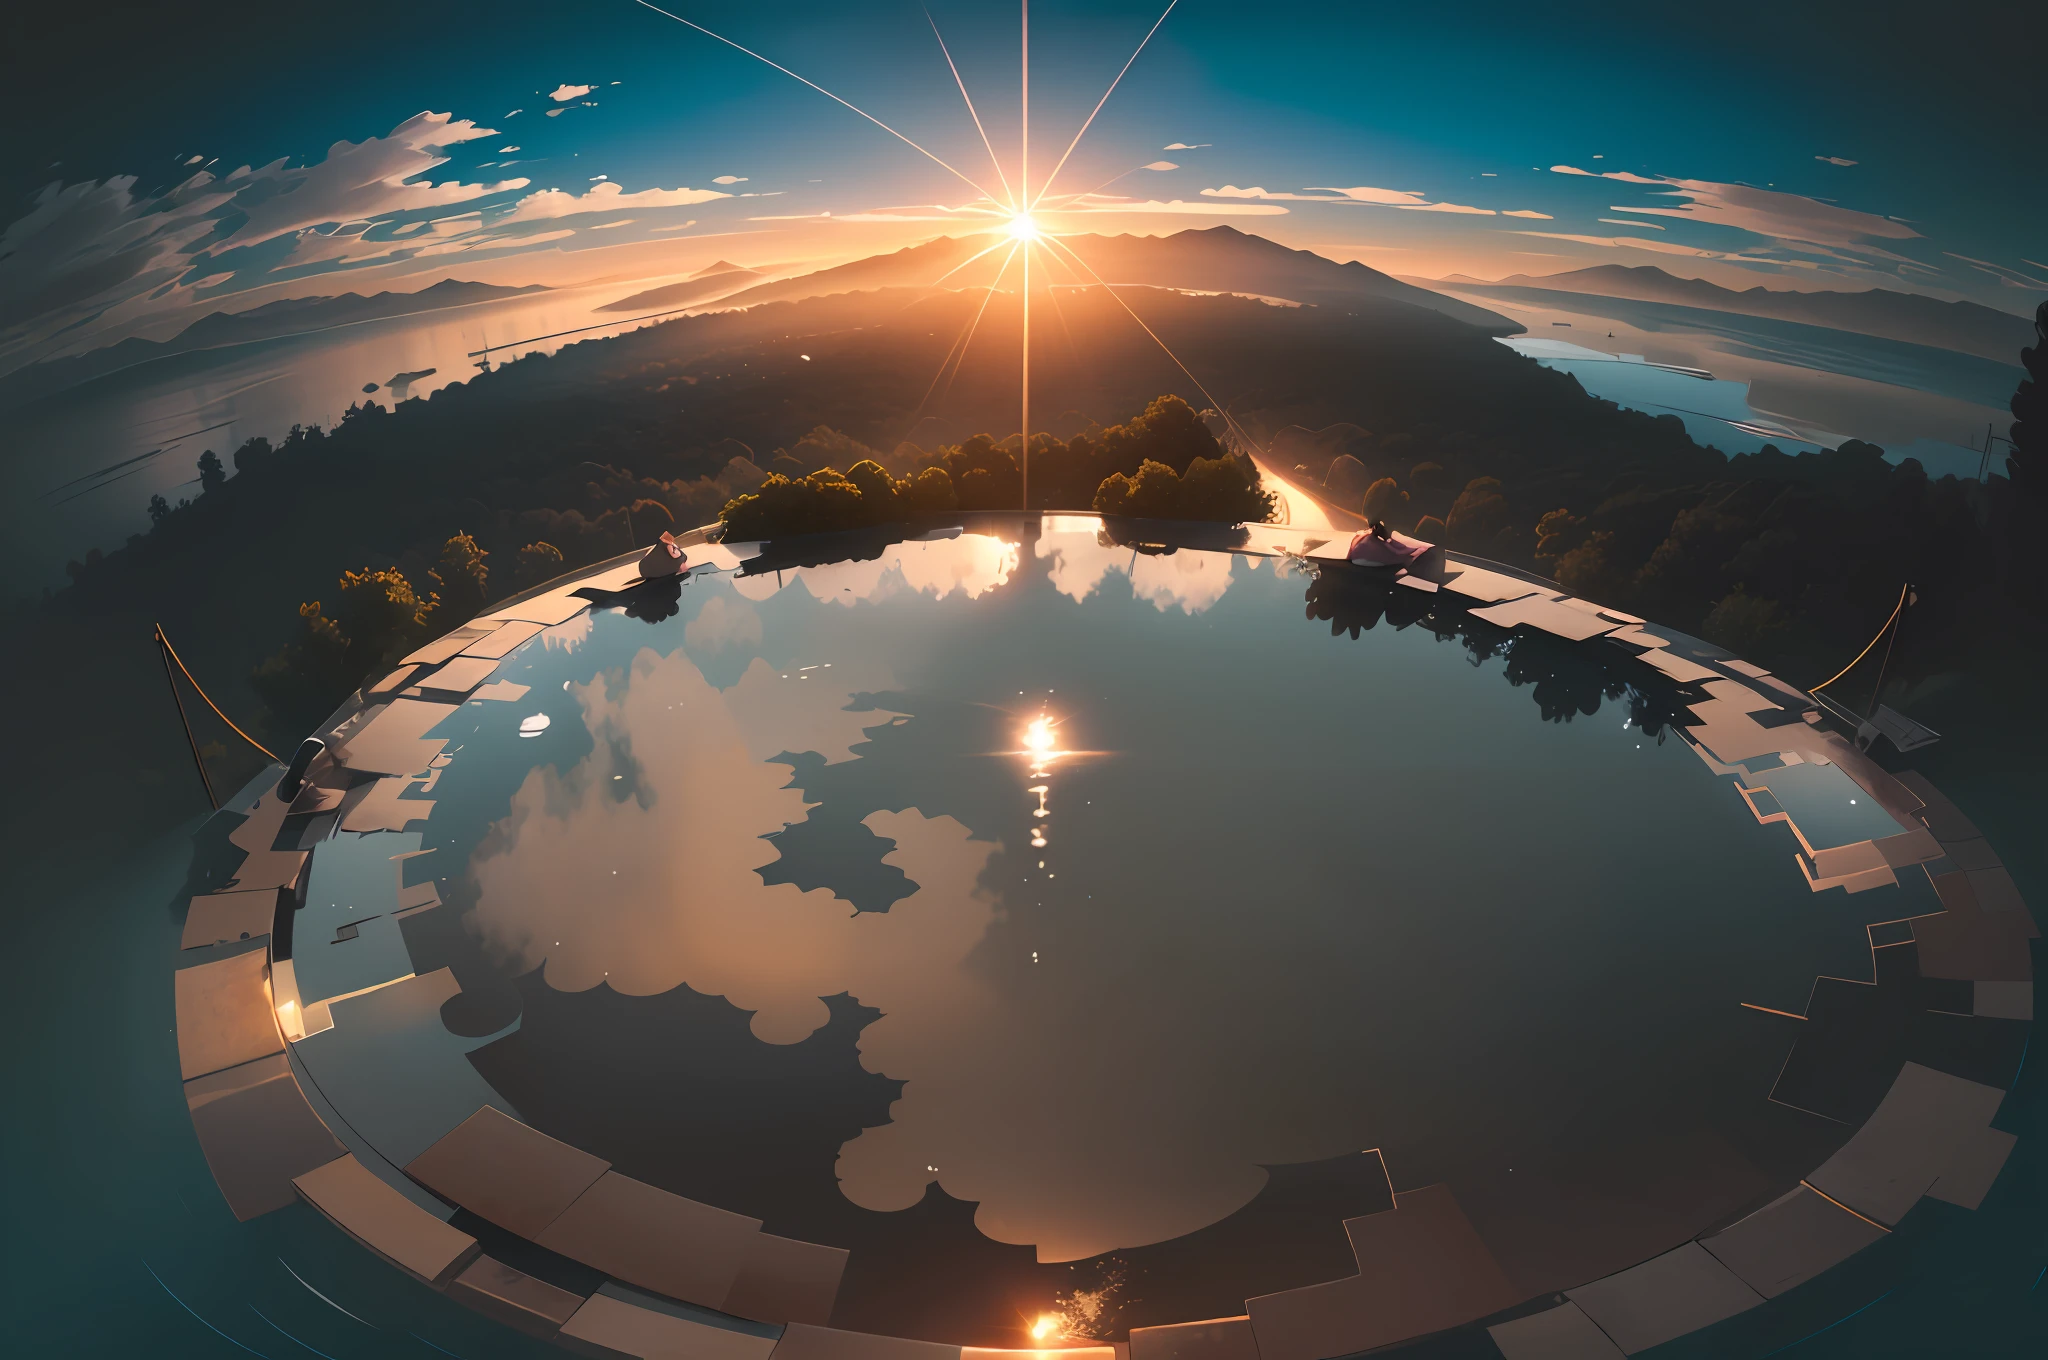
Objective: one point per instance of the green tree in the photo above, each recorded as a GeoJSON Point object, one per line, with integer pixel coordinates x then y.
{"type": "Point", "coordinates": [1557, 533]}
{"type": "Point", "coordinates": [461, 581]}
{"type": "Point", "coordinates": [1222, 490]}
{"type": "Point", "coordinates": [1225, 490]}
{"type": "Point", "coordinates": [823, 447]}
{"type": "Point", "coordinates": [928, 493]}
{"type": "Point", "coordinates": [1385, 500]}
{"type": "Point", "coordinates": [1688, 568]}
{"type": "Point", "coordinates": [1430, 476]}
{"type": "Point", "coordinates": [1592, 572]}
{"type": "Point", "coordinates": [303, 681]}
{"type": "Point", "coordinates": [1154, 493]}
{"type": "Point", "coordinates": [1744, 623]}
{"type": "Point", "coordinates": [819, 503]}
{"type": "Point", "coordinates": [536, 563]}
{"type": "Point", "coordinates": [877, 491]}
{"type": "Point", "coordinates": [1478, 515]}
{"type": "Point", "coordinates": [2027, 465]}
{"type": "Point", "coordinates": [255, 452]}
{"type": "Point", "coordinates": [1170, 432]}
{"type": "Point", "coordinates": [647, 516]}
{"type": "Point", "coordinates": [985, 475]}
{"type": "Point", "coordinates": [381, 617]}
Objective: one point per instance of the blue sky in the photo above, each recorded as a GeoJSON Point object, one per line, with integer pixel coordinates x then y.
{"type": "Point", "coordinates": [1837, 146]}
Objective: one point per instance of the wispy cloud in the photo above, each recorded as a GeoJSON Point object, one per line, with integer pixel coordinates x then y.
{"type": "Point", "coordinates": [879, 217]}
{"type": "Point", "coordinates": [603, 197]}
{"type": "Point", "coordinates": [1089, 204]}
{"type": "Point", "coordinates": [1783, 216]}
{"type": "Point", "coordinates": [1792, 221]}
{"type": "Point", "coordinates": [1160, 165]}
{"type": "Point", "coordinates": [1184, 146]}
{"type": "Point", "coordinates": [373, 178]}
{"type": "Point", "coordinates": [924, 212]}
{"type": "Point", "coordinates": [563, 93]}
{"type": "Point", "coordinates": [1258, 192]}
{"type": "Point", "coordinates": [1395, 198]}
{"type": "Point", "coordinates": [1623, 175]}
{"type": "Point", "coordinates": [472, 244]}
{"type": "Point", "coordinates": [93, 261]}
{"type": "Point", "coordinates": [1412, 200]}
{"type": "Point", "coordinates": [1659, 247]}
{"type": "Point", "coordinates": [1834, 160]}
{"type": "Point", "coordinates": [730, 179]}
{"type": "Point", "coordinates": [2011, 278]}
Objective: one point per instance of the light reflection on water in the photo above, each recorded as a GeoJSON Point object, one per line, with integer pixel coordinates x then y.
{"type": "Point", "coordinates": [1824, 385]}
{"type": "Point", "coordinates": [1322, 895]}
{"type": "Point", "coordinates": [262, 388]}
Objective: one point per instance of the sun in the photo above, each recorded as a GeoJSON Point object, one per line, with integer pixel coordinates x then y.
{"type": "Point", "coordinates": [1010, 212]}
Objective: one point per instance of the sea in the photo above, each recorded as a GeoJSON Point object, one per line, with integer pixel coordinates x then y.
{"type": "Point", "coordinates": [1740, 382]}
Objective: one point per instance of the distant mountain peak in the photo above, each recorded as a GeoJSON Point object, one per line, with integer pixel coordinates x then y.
{"type": "Point", "coordinates": [1202, 259]}
{"type": "Point", "coordinates": [1915, 318]}
{"type": "Point", "coordinates": [722, 267]}
{"type": "Point", "coordinates": [264, 321]}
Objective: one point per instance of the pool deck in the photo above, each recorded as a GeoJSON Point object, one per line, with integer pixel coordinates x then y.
{"type": "Point", "coordinates": [693, 1279]}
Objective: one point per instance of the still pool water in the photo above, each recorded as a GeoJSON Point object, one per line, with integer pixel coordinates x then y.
{"type": "Point", "coordinates": [1096, 893]}
{"type": "Point", "coordinates": [766, 914]}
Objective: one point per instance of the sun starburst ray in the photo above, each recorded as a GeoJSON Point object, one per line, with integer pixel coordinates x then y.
{"type": "Point", "coordinates": [1059, 312]}
{"type": "Point", "coordinates": [965, 330]}
{"type": "Point", "coordinates": [964, 178]}
{"type": "Point", "coordinates": [1061, 164]}
{"type": "Point", "coordinates": [917, 412]}
{"type": "Point", "coordinates": [1009, 194]}
{"type": "Point", "coordinates": [1214, 404]}
{"type": "Point", "coordinates": [975, 325]}
{"type": "Point", "coordinates": [968, 261]}
{"type": "Point", "coordinates": [1090, 193]}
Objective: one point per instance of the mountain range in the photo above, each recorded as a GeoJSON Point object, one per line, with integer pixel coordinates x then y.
{"type": "Point", "coordinates": [707, 284]}
{"type": "Point", "coordinates": [1213, 260]}
{"type": "Point", "coordinates": [1966, 327]}
{"type": "Point", "coordinates": [271, 321]}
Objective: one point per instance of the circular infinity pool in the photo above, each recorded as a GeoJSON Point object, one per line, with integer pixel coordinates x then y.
{"type": "Point", "coordinates": [1068, 927]}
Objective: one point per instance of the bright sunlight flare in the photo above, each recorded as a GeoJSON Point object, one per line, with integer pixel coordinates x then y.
{"type": "Point", "coordinates": [1022, 228]}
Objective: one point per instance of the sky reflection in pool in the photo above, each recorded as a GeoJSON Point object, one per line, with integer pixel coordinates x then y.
{"type": "Point", "coordinates": [1301, 895]}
